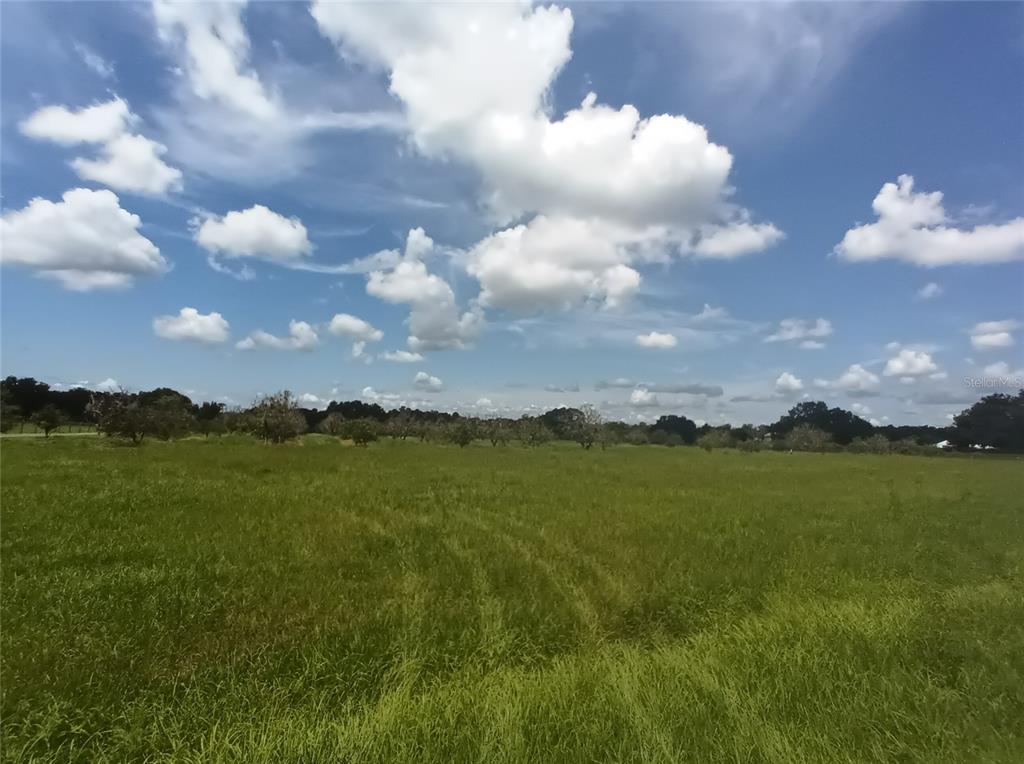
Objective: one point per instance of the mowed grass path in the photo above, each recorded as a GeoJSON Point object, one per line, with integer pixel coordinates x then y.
{"type": "Point", "coordinates": [230, 601]}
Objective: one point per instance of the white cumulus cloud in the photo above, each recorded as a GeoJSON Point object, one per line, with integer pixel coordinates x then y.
{"type": "Point", "coordinates": [742, 238]}
{"type": "Point", "coordinates": [910, 363]}
{"type": "Point", "coordinates": [109, 385]}
{"type": "Point", "coordinates": [608, 187]}
{"type": "Point", "coordinates": [855, 381]}
{"type": "Point", "coordinates": [255, 232]}
{"type": "Point", "coordinates": [401, 356]}
{"type": "Point", "coordinates": [214, 47]}
{"type": "Point", "coordinates": [554, 264]}
{"type": "Point", "coordinates": [371, 394]}
{"type": "Point", "coordinates": [643, 398]}
{"type": "Point", "coordinates": [192, 325]}
{"type": "Point", "coordinates": [798, 330]}
{"type": "Point", "coordinates": [98, 123]}
{"type": "Point", "coordinates": [126, 162]}
{"type": "Point", "coordinates": [1002, 369]}
{"type": "Point", "coordinates": [929, 291]}
{"type": "Point", "coordinates": [427, 382]}
{"type": "Point", "coordinates": [788, 383]}
{"type": "Point", "coordinates": [656, 340]}
{"type": "Point", "coordinates": [993, 334]}
{"type": "Point", "coordinates": [914, 226]}
{"type": "Point", "coordinates": [131, 163]}
{"type": "Point", "coordinates": [435, 322]}
{"type": "Point", "coordinates": [301, 336]}
{"type": "Point", "coordinates": [356, 329]}
{"type": "Point", "coordinates": [85, 241]}
{"type": "Point", "coordinates": [347, 325]}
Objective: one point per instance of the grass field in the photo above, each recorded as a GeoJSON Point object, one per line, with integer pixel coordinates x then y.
{"type": "Point", "coordinates": [29, 428]}
{"type": "Point", "coordinates": [230, 601]}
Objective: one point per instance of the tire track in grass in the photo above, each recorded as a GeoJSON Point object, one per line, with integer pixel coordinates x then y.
{"type": "Point", "coordinates": [610, 584]}
{"type": "Point", "coordinates": [578, 564]}
{"type": "Point", "coordinates": [495, 643]}
{"type": "Point", "coordinates": [575, 600]}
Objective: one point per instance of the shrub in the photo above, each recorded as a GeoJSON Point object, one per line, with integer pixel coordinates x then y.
{"type": "Point", "coordinates": [715, 438]}
{"type": "Point", "coordinates": [804, 437]}
{"type": "Point", "coordinates": [876, 444]}
{"type": "Point", "coordinates": [362, 432]}
{"type": "Point", "coordinates": [332, 424]}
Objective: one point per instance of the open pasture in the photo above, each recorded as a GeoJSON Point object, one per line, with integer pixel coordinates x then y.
{"type": "Point", "coordinates": [225, 600]}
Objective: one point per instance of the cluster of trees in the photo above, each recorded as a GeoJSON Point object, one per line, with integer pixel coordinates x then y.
{"type": "Point", "coordinates": [996, 421]}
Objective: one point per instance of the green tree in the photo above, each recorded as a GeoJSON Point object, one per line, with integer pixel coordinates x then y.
{"type": "Point", "coordinates": [48, 418]}
{"type": "Point", "coordinates": [362, 432]}
{"type": "Point", "coordinates": [533, 432]}
{"type": "Point", "coordinates": [209, 418]}
{"type": "Point", "coordinates": [10, 415]}
{"type": "Point", "coordinates": [996, 421]}
{"type": "Point", "coordinates": [463, 432]}
{"type": "Point", "coordinates": [120, 415]}
{"type": "Point", "coordinates": [276, 418]}
{"type": "Point", "coordinates": [167, 416]}
{"type": "Point", "coordinates": [685, 429]}
{"type": "Point", "coordinates": [840, 425]}
{"type": "Point", "coordinates": [499, 431]}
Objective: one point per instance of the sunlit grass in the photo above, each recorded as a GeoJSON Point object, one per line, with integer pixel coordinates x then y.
{"type": "Point", "coordinates": [224, 600]}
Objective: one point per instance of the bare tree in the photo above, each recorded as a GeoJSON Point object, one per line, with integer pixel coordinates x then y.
{"type": "Point", "coordinates": [588, 426]}
{"type": "Point", "coordinates": [332, 424]}
{"type": "Point", "coordinates": [400, 426]}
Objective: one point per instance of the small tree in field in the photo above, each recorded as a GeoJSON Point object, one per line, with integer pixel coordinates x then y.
{"type": "Point", "coordinates": [362, 432]}
{"type": "Point", "coordinates": [276, 418]}
{"type": "Point", "coordinates": [587, 426]}
{"type": "Point", "coordinates": [168, 417]}
{"type": "Point", "coordinates": [400, 425]}
{"type": "Point", "coordinates": [48, 418]}
{"type": "Point", "coordinates": [716, 437]}
{"type": "Point", "coordinates": [499, 431]}
{"type": "Point", "coordinates": [533, 432]}
{"type": "Point", "coordinates": [209, 418]}
{"type": "Point", "coordinates": [463, 432]}
{"type": "Point", "coordinates": [120, 415]}
{"type": "Point", "coordinates": [332, 424]}
{"type": "Point", "coordinates": [804, 437]}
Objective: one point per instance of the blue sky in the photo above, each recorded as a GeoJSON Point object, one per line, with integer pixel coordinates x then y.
{"type": "Point", "coordinates": [745, 213]}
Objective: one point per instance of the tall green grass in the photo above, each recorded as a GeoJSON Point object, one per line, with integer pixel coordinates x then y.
{"type": "Point", "coordinates": [223, 600]}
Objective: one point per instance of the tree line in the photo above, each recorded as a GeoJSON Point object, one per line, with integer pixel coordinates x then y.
{"type": "Point", "coordinates": [994, 422]}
